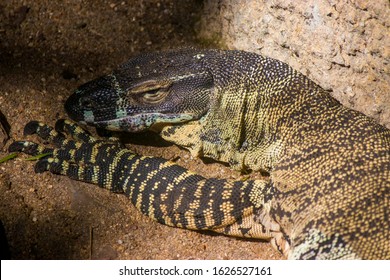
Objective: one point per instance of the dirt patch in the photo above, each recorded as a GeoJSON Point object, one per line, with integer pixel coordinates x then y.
{"type": "Point", "coordinates": [47, 49]}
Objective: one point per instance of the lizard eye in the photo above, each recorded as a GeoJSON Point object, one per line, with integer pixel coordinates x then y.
{"type": "Point", "coordinates": [154, 96]}
{"type": "Point", "coordinates": [151, 91]}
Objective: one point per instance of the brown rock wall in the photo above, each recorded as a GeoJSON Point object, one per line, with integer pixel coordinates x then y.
{"type": "Point", "coordinates": [342, 45]}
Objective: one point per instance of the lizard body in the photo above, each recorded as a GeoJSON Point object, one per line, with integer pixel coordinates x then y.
{"type": "Point", "coordinates": [328, 194]}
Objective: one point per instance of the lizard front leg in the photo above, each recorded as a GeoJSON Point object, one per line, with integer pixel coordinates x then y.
{"type": "Point", "coordinates": [161, 189]}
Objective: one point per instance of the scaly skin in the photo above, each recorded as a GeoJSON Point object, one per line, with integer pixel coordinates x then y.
{"type": "Point", "coordinates": [328, 194]}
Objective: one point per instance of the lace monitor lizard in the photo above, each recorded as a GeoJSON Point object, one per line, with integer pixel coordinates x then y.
{"type": "Point", "coordinates": [328, 193]}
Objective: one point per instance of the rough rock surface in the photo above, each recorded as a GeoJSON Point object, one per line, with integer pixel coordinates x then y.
{"type": "Point", "coordinates": [342, 45]}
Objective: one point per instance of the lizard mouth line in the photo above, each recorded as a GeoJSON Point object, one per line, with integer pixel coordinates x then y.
{"type": "Point", "coordinates": [140, 122]}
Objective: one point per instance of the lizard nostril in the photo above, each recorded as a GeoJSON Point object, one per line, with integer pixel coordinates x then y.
{"type": "Point", "coordinates": [86, 103]}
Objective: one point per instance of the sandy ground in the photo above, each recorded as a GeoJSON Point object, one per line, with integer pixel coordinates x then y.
{"type": "Point", "coordinates": [47, 49]}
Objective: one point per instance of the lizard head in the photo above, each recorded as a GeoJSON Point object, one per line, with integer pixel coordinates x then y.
{"type": "Point", "coordinates": [148, 92]}
{"type": "Point", "coordinates": [214, 103]}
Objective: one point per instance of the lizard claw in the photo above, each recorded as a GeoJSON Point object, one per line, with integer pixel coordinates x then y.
{"type": "Point", "coordinates": [29, 148]}
{"type": "Point", "coordinates": [16, 146]}
{"type": "Point", "coordinates": [31, 128]}
{"type": "Point", "coordinates": [41, 166]}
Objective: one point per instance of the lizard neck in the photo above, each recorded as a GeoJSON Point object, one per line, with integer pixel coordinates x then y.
{"type": "Point", "coordinates": [255, 103]}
